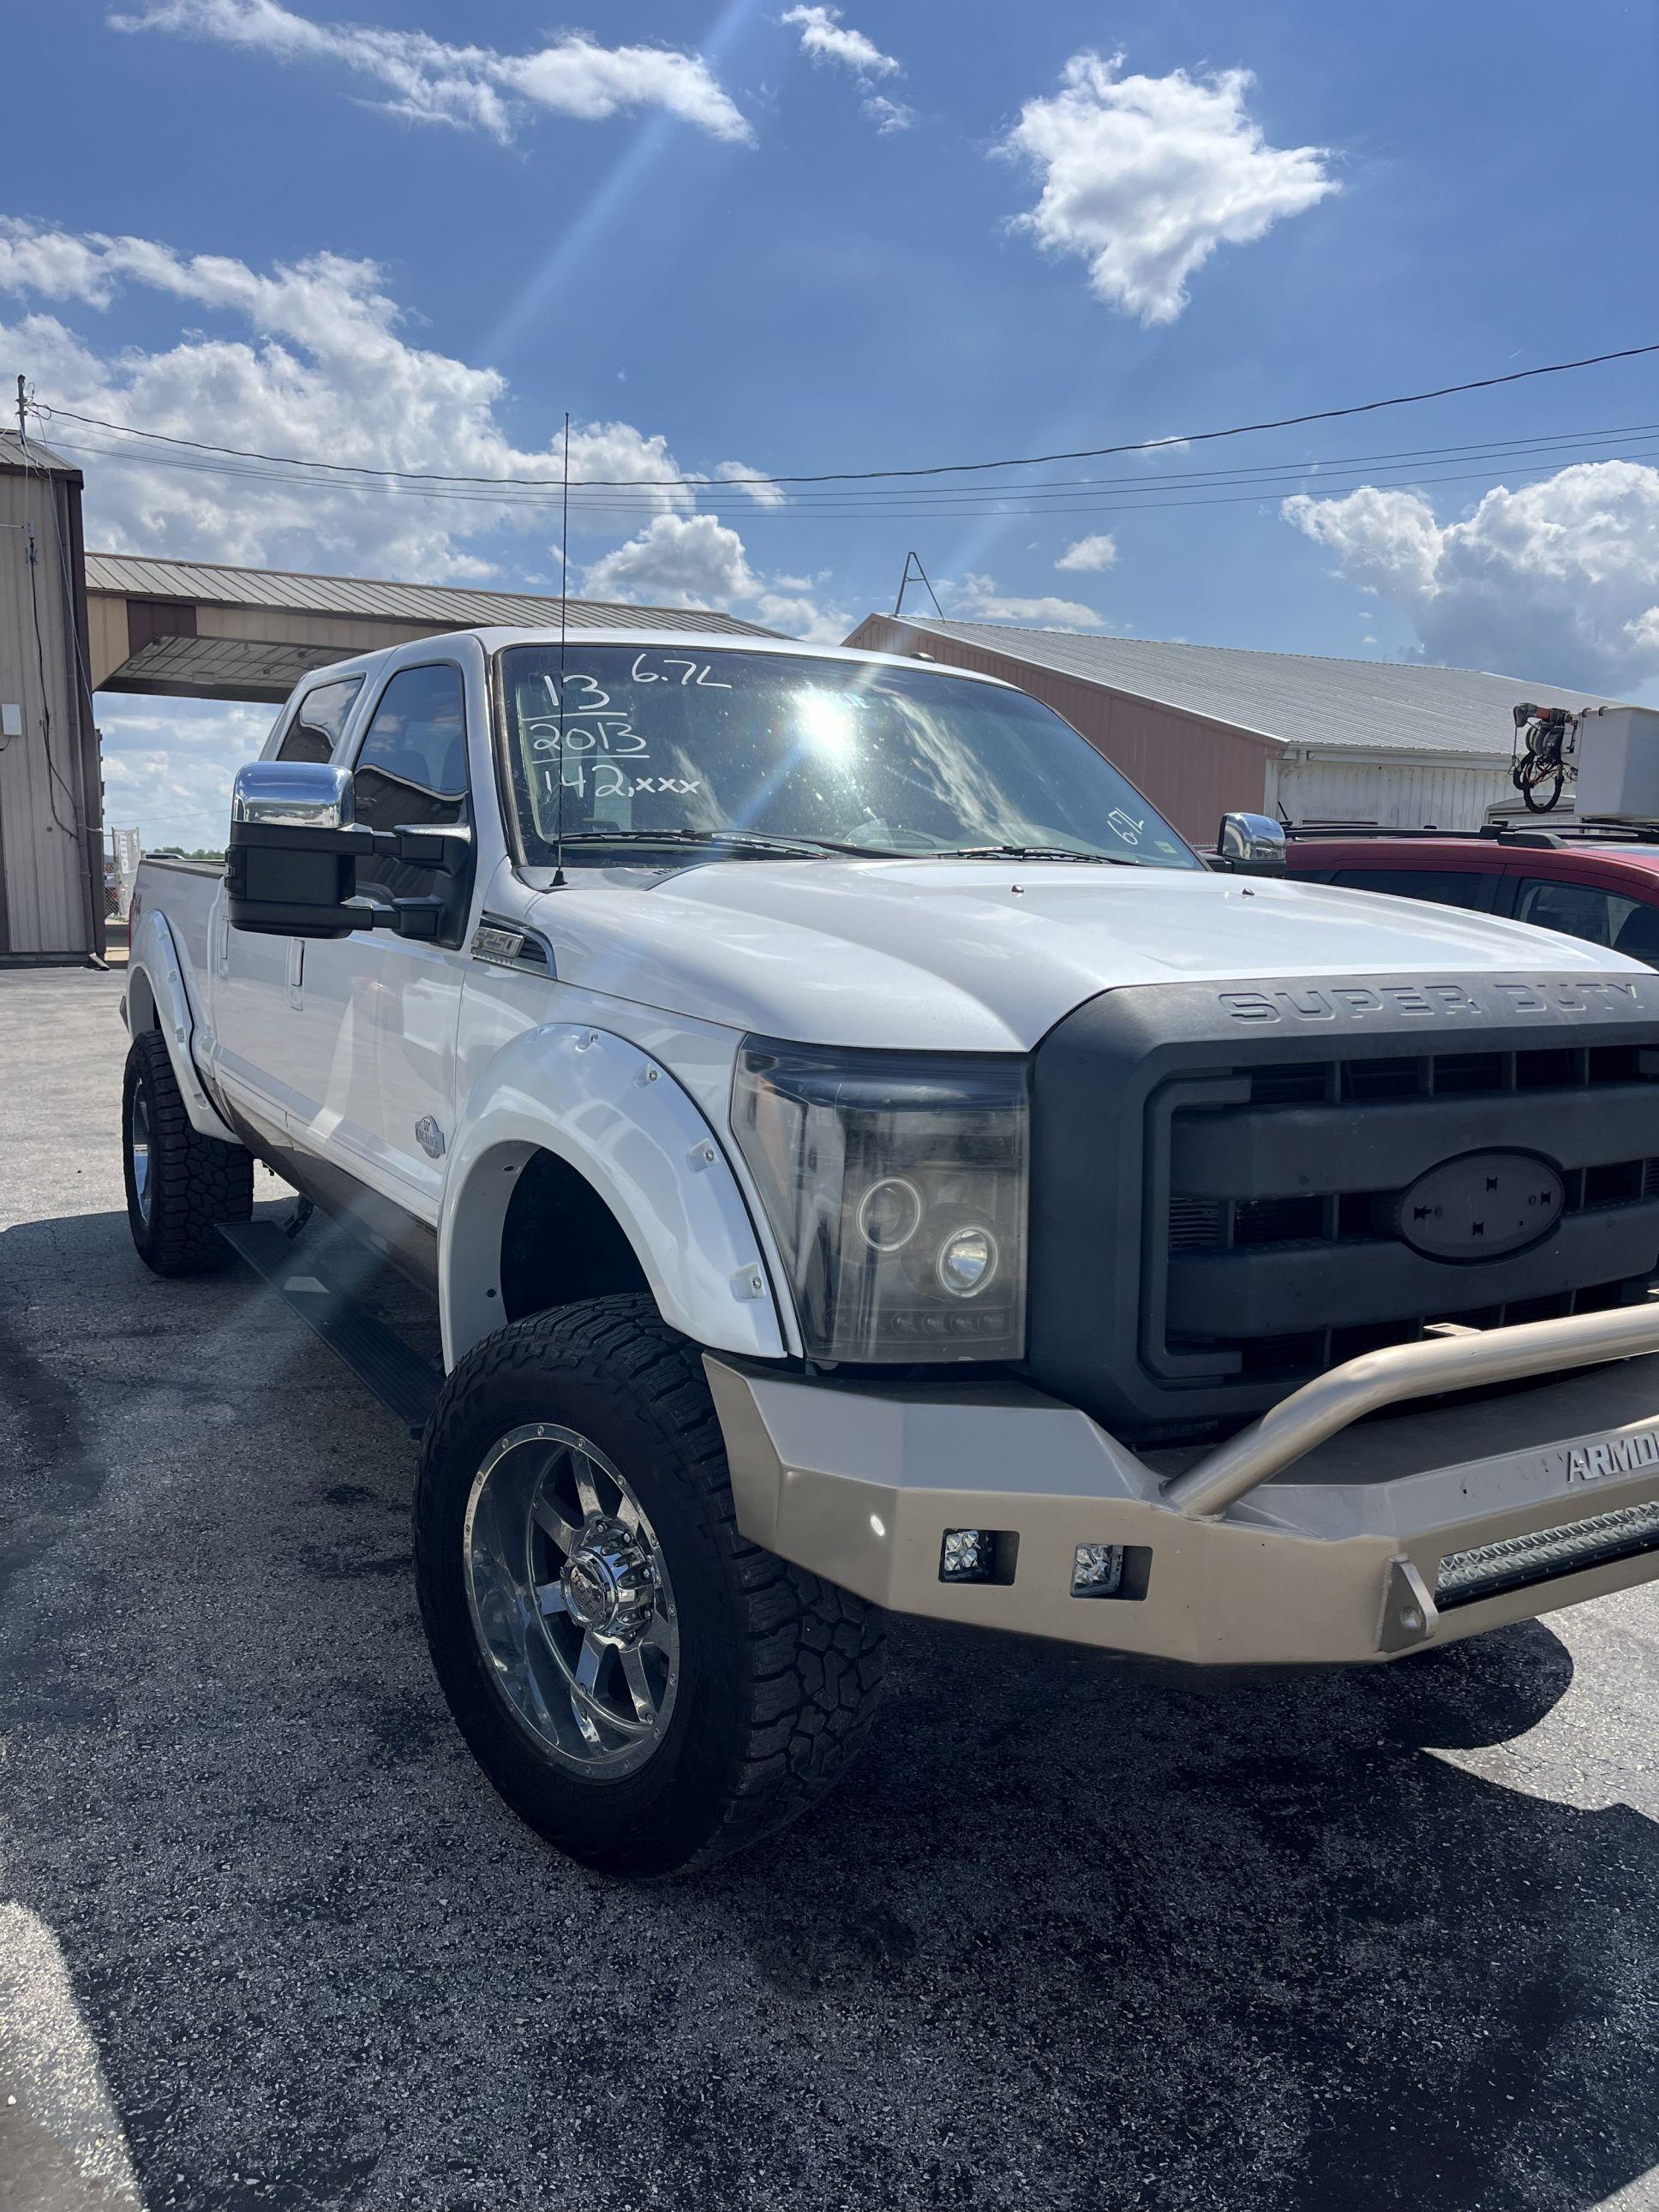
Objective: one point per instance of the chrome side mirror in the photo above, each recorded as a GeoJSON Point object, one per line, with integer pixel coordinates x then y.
{"type": "Point", "coordinates": [292, 795]}
{"type": "Point", "coordinates": [291, 860]}
{"type": "Point", "coordinates": [1251, 845]}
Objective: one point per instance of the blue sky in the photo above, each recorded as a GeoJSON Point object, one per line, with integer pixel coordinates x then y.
{"type": "Point", "coordinates": [779, 239]}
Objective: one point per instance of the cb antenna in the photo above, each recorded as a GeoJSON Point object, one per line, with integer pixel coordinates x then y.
{"type": "Point", "coordinates": [564, 601]}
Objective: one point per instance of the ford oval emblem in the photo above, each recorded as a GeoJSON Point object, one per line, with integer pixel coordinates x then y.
{"type": "Point", "coordinates": [1481, 1205]}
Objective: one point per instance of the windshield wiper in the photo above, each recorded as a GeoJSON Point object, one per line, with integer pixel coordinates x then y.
{"type": "Point", "coordinates": [745, 840]}
{"type": "Point", "coordinates": [1038, 852]}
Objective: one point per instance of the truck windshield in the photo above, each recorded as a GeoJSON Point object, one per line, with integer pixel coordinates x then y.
{"type": "Point", "coordinates": [711, 744]}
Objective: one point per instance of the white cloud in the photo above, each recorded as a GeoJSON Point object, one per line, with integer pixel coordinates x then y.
{"type": "Point", "coordinates": [168, 766]}
{"type": "Point", "coordinates": [471, 87]}
{"type": "Point", "coordinates": [1558, 582]}
{"type": "Point", "coordinates": [977, 599]}
{"type": "Point", "coordinates": [806, 618]}
{"type": "Point", "coordinates": [759, 487]}
{"type": "Point", "coordinates": [887, 115]}
{"type": "Point", "coordinates": [309, 358]}
{"type": "Point", "coordinates": [1143, 177]}
{"type": "Point", "coordinates": [698, 560]}
{"type": "Point", "coordinates": [827, 39]}
{"type": "Point", "coordinates": [676, 560]}
{"type": "Point", "coordinates": [1099, 551]}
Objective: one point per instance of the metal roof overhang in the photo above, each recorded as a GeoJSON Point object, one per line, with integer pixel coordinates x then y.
{"type": "Point", "coordinates": [188, 629]}
{"type": "Point", "coordinates": [232, 668]}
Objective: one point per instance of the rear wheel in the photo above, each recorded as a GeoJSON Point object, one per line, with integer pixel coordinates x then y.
{"type": "Point", "coordinates": [642, 1685]}
{"type": "Point", "coordinates": [180, 1185]}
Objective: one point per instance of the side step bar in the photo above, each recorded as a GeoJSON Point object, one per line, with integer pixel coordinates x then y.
{"type": "Point", "coordinates": [405, 1383]}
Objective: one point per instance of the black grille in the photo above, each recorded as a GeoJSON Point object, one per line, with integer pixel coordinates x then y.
{"type": "Point", "coordinates": [1216, 1201]}
{"type": "Point", "coordinates": [1285, 1135]}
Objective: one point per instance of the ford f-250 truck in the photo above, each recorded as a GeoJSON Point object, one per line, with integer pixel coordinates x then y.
{"type": "Point", "coordinates": [865, 1160]}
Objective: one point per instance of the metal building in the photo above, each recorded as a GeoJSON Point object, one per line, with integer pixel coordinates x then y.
{"type": "Point", "coordinates": [1202, 728]}
{"type": "Point", "coordinates": [52, 872]}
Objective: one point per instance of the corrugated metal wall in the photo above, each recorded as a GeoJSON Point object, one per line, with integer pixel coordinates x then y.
{"type": "Point", "coordinates": [43, 803]}
{"type": "Point", "coordinates": [1396, 792]}
{"type": "Point", "coordinates": [1191, 770]}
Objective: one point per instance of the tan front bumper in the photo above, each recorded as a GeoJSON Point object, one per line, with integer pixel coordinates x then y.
{"type": "Point", "coordinates": [1233, 1559]}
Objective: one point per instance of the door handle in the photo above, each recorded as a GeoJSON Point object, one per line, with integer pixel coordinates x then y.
{"type": "Point", "coordinates": [296, 971]}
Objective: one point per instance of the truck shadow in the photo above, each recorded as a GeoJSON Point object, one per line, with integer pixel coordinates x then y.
{"type": "Point", "coordinates": [1072, 1934]}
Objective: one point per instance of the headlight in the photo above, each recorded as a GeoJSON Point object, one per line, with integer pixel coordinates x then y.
{"type": "Point", "coordinates": [894, 1184]}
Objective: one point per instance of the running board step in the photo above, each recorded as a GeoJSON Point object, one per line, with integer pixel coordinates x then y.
{"type": "Point", "coordinates": [405, 1383]}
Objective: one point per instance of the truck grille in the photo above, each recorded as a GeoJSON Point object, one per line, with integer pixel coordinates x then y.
{"type": "Point", "coordinates": [1221, 1209]}
{"type": "Point", "coordinates": [1239, 1261]}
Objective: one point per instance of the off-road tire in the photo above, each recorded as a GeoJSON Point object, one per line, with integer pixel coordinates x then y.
{"type": "Point", "coordinates": [194, 1182]}
{"type": "Point", "coordinates": [781, 1671]}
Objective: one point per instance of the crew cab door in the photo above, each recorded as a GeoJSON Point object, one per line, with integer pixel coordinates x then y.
{"type": "Point", "coordinates": [254, 982]}
{"type": "Point", "coordinates": [375, 1037]}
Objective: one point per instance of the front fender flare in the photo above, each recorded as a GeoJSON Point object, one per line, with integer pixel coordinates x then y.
{"type": "Point", "coordinates": [155, 968]}
{"type": "Point", "coordinates": [620, 1118]}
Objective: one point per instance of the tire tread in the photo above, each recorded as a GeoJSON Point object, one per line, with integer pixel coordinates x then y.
{"type": "Point", "coordinates": [196, 1182]}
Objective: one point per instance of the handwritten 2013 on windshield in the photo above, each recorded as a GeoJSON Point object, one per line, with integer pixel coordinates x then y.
{"type": "Point", "coordinates": [584, 719]}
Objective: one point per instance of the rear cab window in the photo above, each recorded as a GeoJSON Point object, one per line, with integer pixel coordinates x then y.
{"type": "Point", "coordinates": [318, 719]}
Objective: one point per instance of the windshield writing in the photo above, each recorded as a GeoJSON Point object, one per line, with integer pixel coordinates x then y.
{"type": "Point", "coordinates": [629, 743]}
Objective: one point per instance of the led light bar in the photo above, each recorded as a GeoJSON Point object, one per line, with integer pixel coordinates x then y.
{"type": "Point", "coordinates": [1516, 1561]}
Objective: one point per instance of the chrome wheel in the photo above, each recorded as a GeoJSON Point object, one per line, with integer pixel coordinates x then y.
{"type": "Point", "coordinates": [138, 1145]}
{"type": "Point", "coordinates": [570, 1600]}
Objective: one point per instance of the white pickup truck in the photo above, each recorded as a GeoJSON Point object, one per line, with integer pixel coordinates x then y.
{"type": "Point", "coordinates": [865, 1160]}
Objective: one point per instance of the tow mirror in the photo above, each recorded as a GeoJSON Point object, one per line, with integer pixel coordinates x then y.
{"type": "Point", "coordinates": [1251, 845]}
{"type": "Point", "coordinates": [291, 859]}
{"type": "Point", "coordinates": [292, 795]}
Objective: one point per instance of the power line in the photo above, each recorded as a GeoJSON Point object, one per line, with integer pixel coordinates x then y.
{"type": "Point", "coordinates": [869, 476]}
{"type": "Point", "coordinates": [1325, 477]}
{"type": "Point", "coordinates": [804, 502]}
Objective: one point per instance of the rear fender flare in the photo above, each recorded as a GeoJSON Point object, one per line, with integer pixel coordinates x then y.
{"type": "Point", "coordinates": [156, 1000]}
{"type": "Point", "coordinates": [622, 1122]}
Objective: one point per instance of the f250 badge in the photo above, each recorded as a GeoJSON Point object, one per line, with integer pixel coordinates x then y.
{"type": "Point", "coordinates": [429, 1137]}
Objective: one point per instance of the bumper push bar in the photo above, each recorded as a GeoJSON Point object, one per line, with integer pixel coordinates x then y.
{"type": "Point", "coordinates": [1278, 1546]}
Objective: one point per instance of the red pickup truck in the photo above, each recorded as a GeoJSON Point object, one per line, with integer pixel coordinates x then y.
{"type": "Point", "coordinates": [1601, 886]}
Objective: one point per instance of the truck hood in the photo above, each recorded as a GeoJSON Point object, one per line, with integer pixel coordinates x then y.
{"type": "Point", "coordinates": [982, 956]}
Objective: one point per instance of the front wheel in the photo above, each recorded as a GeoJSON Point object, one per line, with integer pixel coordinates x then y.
{"type": "Point", "coordinates": [642, 1684]}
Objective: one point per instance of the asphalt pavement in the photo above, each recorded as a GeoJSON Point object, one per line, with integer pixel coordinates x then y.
{"type": "Point", "coordinates": [1074, 1935]}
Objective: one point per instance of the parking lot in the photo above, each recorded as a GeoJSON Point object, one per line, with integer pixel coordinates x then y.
{"type": "Point", "coordinates": [1074, 1933]}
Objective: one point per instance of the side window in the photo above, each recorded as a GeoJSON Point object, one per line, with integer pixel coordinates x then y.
{"type": "Point", "coordinates": [1444, 886]}
{"type": "Point", "coordinates": [1576, 910]}
{"type": "Point", "coordinates": [320, 717]}
{"type": "Point", "coordinates": [411, 767]}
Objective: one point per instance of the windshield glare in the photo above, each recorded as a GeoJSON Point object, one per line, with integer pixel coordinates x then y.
{"type": "Point", "coordinates": [894, 760]}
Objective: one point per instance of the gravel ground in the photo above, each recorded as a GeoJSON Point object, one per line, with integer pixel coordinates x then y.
{"type": "Point", "coordinates": [1076, 1934]}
